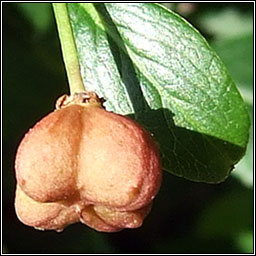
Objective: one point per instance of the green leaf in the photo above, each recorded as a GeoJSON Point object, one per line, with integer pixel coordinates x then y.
{"type": "Point", "coordinates": [149, 63]}
{"type": "Point", "coordinates": [244, 169]}
{"type": "Point", "coordinates": [237, 54]}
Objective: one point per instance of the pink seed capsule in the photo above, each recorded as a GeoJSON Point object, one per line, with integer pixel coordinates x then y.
{"type": "Point", "coordinates": [83, 163]}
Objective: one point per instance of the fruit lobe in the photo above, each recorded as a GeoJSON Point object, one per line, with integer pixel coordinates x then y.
{"type": "Point", "coordinates": [83, 163]}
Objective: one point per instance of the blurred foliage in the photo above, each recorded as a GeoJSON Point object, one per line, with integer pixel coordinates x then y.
{"type": "Point", "coordinates": [227, 23]}
{"type": "Point", "coordinates": [38, 15]}
{"type": "Point", "coordinates": [187, 217]}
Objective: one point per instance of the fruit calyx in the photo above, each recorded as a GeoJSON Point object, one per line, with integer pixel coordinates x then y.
{"type": "Point", "coordinates": [86, 99]}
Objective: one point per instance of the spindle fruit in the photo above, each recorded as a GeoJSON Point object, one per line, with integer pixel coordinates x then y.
{"type": "Point", "coordinates": [83, 163]}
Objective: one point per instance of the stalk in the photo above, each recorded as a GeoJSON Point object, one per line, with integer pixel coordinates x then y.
{"type": "Point", "coordinates": [68, 47]}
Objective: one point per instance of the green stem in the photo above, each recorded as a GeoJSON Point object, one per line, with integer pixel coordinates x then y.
{"type": "Point", "coordinates": [68, 47]}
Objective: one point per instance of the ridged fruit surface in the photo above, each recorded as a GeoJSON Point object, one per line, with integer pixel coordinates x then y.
{"type": "Point", "coordinates": [83, 163]}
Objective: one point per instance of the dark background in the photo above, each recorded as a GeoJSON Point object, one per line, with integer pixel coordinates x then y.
{"type": "Point", "coordinates": [187, 217]}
